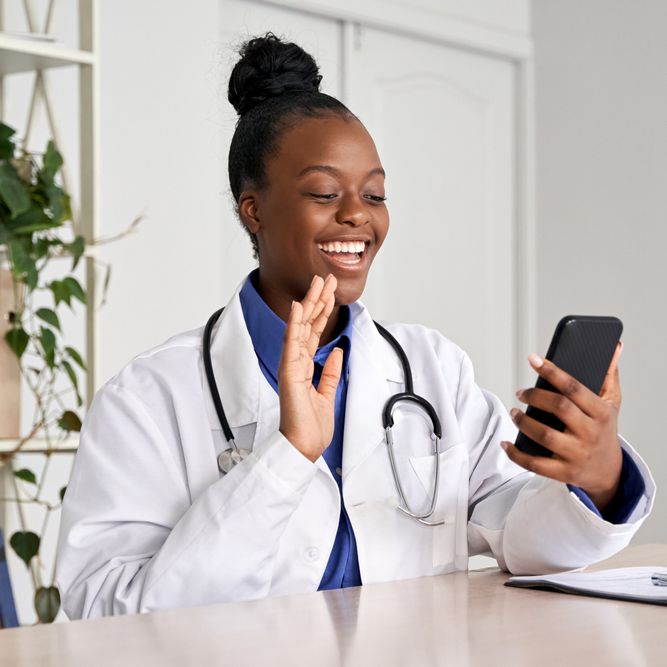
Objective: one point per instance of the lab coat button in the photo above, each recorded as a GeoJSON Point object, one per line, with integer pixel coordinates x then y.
{"type": "Point", "coordinates": [312, 554]}
{"type": "Point", "coordinates": [339, 472]}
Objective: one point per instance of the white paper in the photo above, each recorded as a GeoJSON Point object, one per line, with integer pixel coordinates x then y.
{"type": "Point", "coordinates": [625, 583]}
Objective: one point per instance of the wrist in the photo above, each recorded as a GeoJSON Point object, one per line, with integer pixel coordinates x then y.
{"type": "Point", "coordinates": [602, 495]}
{"type": "Point", "coordinates": [308, 452]}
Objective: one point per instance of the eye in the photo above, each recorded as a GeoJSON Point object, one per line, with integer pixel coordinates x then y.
{"type": "Point", "coordinates": [322, 195]}
{"type": "Point", "coordinates": [378, 199]}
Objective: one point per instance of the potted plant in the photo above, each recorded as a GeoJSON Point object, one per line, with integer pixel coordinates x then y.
{"type": "Point", "coordinates": [35, 221]}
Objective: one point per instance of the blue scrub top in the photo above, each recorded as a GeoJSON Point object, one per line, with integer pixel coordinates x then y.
{"type": "Point", "coordinates": [267, 331]}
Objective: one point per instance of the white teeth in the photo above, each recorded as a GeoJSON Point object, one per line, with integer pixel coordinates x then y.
{"type": "Point", "coordinates": [344, 246]}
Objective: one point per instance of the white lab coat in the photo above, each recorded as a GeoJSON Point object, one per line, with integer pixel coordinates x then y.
{"type": "Point", "coordinates": [149, 522]}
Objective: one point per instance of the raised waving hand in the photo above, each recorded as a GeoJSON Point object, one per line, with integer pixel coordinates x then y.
{"type": "Point", "coordinates": [306, 413]}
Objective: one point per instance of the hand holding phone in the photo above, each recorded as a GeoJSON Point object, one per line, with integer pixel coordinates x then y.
{"type": "Point", "coordinates": [568, 432]}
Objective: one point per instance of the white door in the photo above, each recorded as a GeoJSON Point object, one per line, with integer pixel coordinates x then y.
{"type": "Point", "coordinates": [443, 121]}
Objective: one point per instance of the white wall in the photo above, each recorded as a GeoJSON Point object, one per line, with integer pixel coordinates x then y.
{"type": "Point", "coordinates": [602, 194]}
{"type": "Point", "coordinates": [162, 156]}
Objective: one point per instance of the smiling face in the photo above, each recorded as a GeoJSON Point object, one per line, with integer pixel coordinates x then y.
{"type": "Point", "coordinates": [322, 210]}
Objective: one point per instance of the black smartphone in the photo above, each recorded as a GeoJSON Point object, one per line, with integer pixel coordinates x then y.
{"type": "Point", "coordinates": [583, 346]}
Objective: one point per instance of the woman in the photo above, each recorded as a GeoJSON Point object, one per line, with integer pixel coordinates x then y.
{"type": "Point", "coordinates": [156, 516]}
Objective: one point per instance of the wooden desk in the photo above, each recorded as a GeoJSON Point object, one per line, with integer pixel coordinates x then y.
{"type": "Point", "coordinates": [457, 619]}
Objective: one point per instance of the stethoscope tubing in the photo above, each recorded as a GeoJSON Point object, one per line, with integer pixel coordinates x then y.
{"type": "Point", "coordinates": [387, 418]}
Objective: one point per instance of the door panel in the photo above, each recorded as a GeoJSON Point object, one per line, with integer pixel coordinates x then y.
{"type": "Point", "coordinates": [443, 121]}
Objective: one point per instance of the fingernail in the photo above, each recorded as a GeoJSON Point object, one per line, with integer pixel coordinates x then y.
{"type": "Point", "coordinates": [312, 282]}
{"type": "Point", "coordinates": [513, 413]}
{"type": "Point", "coordinates": [535, 360]}
{"type": "Point", "coordinates": [504, 445]}
{"type": "Point", "coordinates": [518, 393]}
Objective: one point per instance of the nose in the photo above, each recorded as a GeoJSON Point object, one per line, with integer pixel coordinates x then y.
{"type": "Point", "coordinates": [353, 212]}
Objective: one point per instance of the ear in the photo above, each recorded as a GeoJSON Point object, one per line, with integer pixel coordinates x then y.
{"type": "Point", "coordinates": [249, 211]}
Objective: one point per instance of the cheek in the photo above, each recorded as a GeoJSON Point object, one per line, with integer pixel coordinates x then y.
{"type": "Point", "coordinates": [382, 229]}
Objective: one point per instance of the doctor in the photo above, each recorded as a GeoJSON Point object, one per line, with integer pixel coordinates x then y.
{"type": "Point", "coordinates": [150, 521]}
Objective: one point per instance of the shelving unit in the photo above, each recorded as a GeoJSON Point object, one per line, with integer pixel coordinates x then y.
{"type": "Point", "coordinates": [38, 446]}
{"type": "Point", "coordinates": [36, 52]}
{"type": "Point", "coordinates": [18, 54]}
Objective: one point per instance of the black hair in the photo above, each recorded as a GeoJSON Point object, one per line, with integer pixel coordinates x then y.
{"type": "Point", "coordinates": [273, 85]}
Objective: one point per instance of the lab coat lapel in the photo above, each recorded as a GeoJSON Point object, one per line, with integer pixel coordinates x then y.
{"type": "Point", "coordinates": [373, 363]}
{"type": "Point", "coordinates": [235, 368]}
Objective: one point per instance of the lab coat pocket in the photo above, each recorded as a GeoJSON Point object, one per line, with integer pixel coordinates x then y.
{"type": "Point", "coordinates": [449, 547]}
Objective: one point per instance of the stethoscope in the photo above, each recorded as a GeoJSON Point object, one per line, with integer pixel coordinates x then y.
{"type": "Point", "coordinates": [231, 457]}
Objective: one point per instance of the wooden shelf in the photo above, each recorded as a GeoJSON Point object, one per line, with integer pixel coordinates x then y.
{"type": "Point", "coordinates": [24, 55]}
{"type": "Point", "coordinates": [39, 446]}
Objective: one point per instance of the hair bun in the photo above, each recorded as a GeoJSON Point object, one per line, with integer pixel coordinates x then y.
{"type": "Point", "coordinates": [269, 68]}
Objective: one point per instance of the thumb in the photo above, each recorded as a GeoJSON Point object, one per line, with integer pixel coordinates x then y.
{"type": "Point", "coordinates": [611, 388]}
{"type": "Point", "coordinates": [331, 374]}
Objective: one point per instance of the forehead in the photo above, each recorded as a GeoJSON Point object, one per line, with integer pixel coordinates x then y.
{"type": "Point", "coordinates": [337, 141]}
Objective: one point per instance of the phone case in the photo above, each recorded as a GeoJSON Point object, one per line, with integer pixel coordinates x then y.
{"type": "Point", "coordinates": [583, 346]}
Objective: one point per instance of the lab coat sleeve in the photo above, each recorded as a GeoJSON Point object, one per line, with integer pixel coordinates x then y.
{"type": "Point", "coordinates": [529, 523]}
{"type": "Point", "coordinates": [132, 539]}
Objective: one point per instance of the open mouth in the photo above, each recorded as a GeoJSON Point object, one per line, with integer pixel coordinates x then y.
{"type": "Point", "coordinates": [344, 253]}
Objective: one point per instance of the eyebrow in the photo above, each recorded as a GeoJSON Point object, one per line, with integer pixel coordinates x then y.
{"type": "Point", "coordinates": [328, 169]}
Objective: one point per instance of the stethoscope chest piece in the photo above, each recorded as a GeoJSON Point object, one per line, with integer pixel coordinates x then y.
{"type": "Point", "coordinates": [231, 457]}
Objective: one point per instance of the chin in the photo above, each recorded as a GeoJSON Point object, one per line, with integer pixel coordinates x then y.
{"type": "Point", "coordinates": [348, 294]}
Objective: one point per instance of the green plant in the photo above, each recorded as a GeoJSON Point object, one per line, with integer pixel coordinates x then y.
{"type": "Point", "coordinates": [34, 216]}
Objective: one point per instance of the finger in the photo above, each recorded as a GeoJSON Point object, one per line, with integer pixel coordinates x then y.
{"type": "Point", "coordinates": [318, 326]}
{"type": "Point", "coordinates": [328, 299]}
{"type": "Point", "coordinates": [559, 443]}
{"type": "Point", "coordinates": [567, 385]}
{"type": "Point", "coordinates": [561, 406]}
{"type": "Point", "coordinates": [331, 374]}
{"type": "Point", "coordinates": [611, 387]}
{"type": "Point", "coordinates": [292, 342]}
{"type": "Point", "coordinates": [553, 468]}
{"type": "Point", "coordinates": [315, 302]}
{"type": "Point", "coordinates": [310, 301]}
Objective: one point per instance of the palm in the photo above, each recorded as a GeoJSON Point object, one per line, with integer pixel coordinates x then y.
{"type": "Point", "coordinates": [306, 413]}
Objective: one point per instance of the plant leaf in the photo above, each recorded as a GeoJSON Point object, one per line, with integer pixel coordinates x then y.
{"type": "Point", "coordinates": [77, 248]}
{"type": "Point", "coordinates": [61, 493]}
{"type": "Point", "coordinates": [69, 421]}
{"type": "Point", "coordinates": [75, 289]}
{"type": "Point", "coordinates": [23, 265]}
{"type": "Point", "coordinates": [26, 545]}
{"type": "Point", "coordinates": [32, 220]}
{"type": "Point", "coordinates": [42, 246]}
{"type": "Point", "coordinates": [52, 161]}
{"type": "Point", "coordinates": [58, 203]}
{"type": "Point", "coordinates": [48, 340]}
{"type": "Point", "coordinates": [76, 357]}
{"type": "Point", "coordinates": [49, 317]}
{"type": "Point", "coordinates": [12, 190]}
{"type": "Point", "coordinates": [47, 603]}
{"type": "Point", "coordinates": [17, 339]}
{"type": "Point", "coordinates": [73, 379]}
{"type": "Point", "coordinates": [26, 475]}
{"type": "Point", "coordinates": [6, 143]}
{"type": "Point", "coordinates": [60, 292]}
